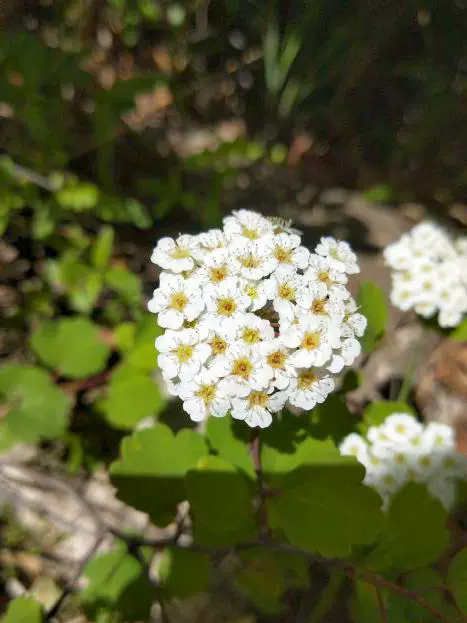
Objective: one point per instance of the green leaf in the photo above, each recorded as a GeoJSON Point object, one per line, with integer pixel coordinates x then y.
{"type": "Point", "coordinates": [184, 573]}
{"type": "Point", "coordinates": [130, 399]}
{"type": "Point", "coordinates": [221, 436]}
{"type": "Point", "coordinates": [83, 297]}
{"type": "Point", "coordinates": [81, 196]}
{"type": "Point", "coordinates": [457, 579]}
{"type": "Point", "coordinates": [459, 334]}
{"type": "Point", "coordinates": [124, 335]}
{"type": "Point", "coordinates": [380, 193]}
{"type": "Point", "coordinates": [364, 604]}
{"type": "Point", "coordinates": [35, 407]}
{"type": "Point", "coordinates": [149, 474]}
{"type": "Point", "coordinates": [126, 284]}
{"type": "Point", "coordinates": [72, 346]}
{"type": "Point", "coordinates": [220, 502]}
{"type": "Point", "coordinates": [143, 355]}
{"type": "Point", "coordinates": [117, 583]}
{"type": "Point", "coordinates": [332, 419]}
{"type": "Point", "coordinates": [423, 582]}
{"type": "Point", "coordinates": [373, 306]}
{"type": "Point", "coordinates": [323, 506]}
{"type": "Point", "coordinates": [415, 531]}
{"type": "Point", "coordinates": [101, 250]}
{"type": "Point", "coordinates": [24, 609]}
{"type": "Point", "coordinates": [376, 412]}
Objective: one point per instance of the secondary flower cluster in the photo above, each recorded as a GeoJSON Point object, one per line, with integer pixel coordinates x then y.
{"type": "Point", "coordinates": [253, 319]}
{"type": "Point", "coordinates": [429, 273]}
{"type": "Point", "coordinates": [403, 450]}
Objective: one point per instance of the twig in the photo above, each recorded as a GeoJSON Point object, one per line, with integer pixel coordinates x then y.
{"type": "Point", "coordinates": [328, 595]}
{"type": "Point", "coordinates": [382, 605]}
{"type": "Point", "coordinates": [70, 586]}
{"type": "Point", "coordinates": [255, 450]}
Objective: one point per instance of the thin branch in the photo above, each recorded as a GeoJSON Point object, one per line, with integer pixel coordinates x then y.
{"type": "Point", "coordinates": [255, 451]}
{"type": "Point", "coordinates": [382, 605]}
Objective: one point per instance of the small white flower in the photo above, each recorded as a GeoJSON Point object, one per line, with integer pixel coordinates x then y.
{"type": "Point", "coordinates": [282, 288]}
{"type": "Point", "coordinates": [175, 255]}
{"type": "Point", "coordinates": [285, 250]}
{"type": "Point", "coordinates": [278, 357]}
{"type": "Point", "coordinates": [314, 339]}
{"type": "Point", "coordinates": [257, 407]}
{"type": "Point", "coordinates": [207, 243]}
{"type": "Point", "coordinates": [251, 258]}
{"type": "Point", "coordinates": [252, 330]}
{"type": "Point", "coordinates": [218, 266]}
{"type": "Point", "coordinates": [244, 370]}
{"type": "Point", "coordinates": [177, 299]}
{"type": "Point", "coordinates": [355, 445]}
{"type": "Point", "coordinates": [339, 254]}
{"type": "Point", "coordinates": [256, 292]}
{"type": "Point", "coordinates": [224, 303]}
{"type": "Point", "coordinates": [321, 271]}
{"type": "Point", "coordinates": [248, 224]}
{"type": "Point", "coordinates": [203, 396]}
{"type": "Point", "coordinates": [309, 389]}
{"type": "Point", "coordinates": [181, 354]}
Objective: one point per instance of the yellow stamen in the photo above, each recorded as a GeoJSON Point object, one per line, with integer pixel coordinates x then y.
{"type": "Point", "coordinates": [306, 380]}
{"type": "Point", "coordinates": [206, 393]}
{"type": "Point", "coordinates": [251, 336]}
{"type": "Point", "coordinates": [178, 301]}
{"type": "Point", "coordinates": [258, 399]}
{"type": "Point", "coordinates": [242, 367]}
{"type": "Point", "coordinates": [184, 352]}
{"type": "Point", "coordinates": [277, 359]}
{"type": "Point", "coordinates": [226, 307]}
{"type": "Point", "coordinates": [311, 341]}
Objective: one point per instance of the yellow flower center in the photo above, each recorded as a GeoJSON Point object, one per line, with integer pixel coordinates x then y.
{"type": "Point", "coordinates": [178, 301]}
{"type": "Point", "coordinates": [180, 253]}
{"type": "Point", "coordinates": [251, 291]}
{"type": "Point", "coordinates": [218, 345]}
{"type": "Point", "coordinates": [184, 352]}
{"type": "Point", "coordinates": [258, 399]}
{"type": "Point", "coordinates": [277, 359]}
{"type": "Point", "coordinates": [425, 461]}
{"type": "Point", "coordinates": [226, 307]}
{"type": "Point", "coordinates": [285, 291]}
{"type": "Point", "coordinates": [319, 306]}
{"type": "Point", "coordinates": [324, 277]}
{"type": "Point", "coordinates": [206, 393]}
{"type": "Point", "coordinates": [252, 234]}
{"type": "Point", "coordinates": [251, 336]}
{"type": "Point", "coordinates": [283, 255]}
{"type": "Point", "coordinates": [311, 340]}
{"type": "Point", "coordinates": [306, 380]}
{"type": "Point", "coordinates": [401, 429]}
{"type": "Point", "coordinates": [249, 261]}
{"type": "Point", "coordinates": [242, 367]}
{"type": "Point", "coordinates": [400, 458]}
{"type": "Point", "coordinates": [218, 274]}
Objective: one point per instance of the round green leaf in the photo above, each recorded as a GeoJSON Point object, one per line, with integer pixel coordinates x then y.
{"type": "Point", "coordinates": [117, 583]}
{"type": "Point", "coordinates": [373, 306]}
{"type": "Point", "coordinates": [126, 284]}
{"type": "Point", "coordinates": [72, 346]}
{"type": "Point", "coordinates": [220, 502]}
{"type": "Point", "coordinates": [375, 413]}
{"type": "Point", "coordinates": [130, 399]}
{"type": "Point", "coordinates": [101, 250]}
{"type": "Point", "coordinates": [35, 407]}
{"type": "Point", "coordinates": [415, 531]}
{"type": "Point", "coordinates": [24, 609]}
{"type": "Point", "coordinates": [149, 474]}
{"type": "Point", "coordinates": [184, 573]}
{"type": "Point", "coordinates": [323, 506]}
{"type": "Point", "coordinates": [457, 579]}
{"type": "Point", "coordinates": [221, 436]}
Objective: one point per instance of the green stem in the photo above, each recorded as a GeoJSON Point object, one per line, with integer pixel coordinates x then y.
{"type": "Point", "coordinates": [328, 595]}
{"type": "Point", "coordinates": [411, 369]}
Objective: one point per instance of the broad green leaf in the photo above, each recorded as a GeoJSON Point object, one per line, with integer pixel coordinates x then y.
{"type": "Point", "coordinates": [143, 355]}
{"type": "Point", "coordinates": [364, 603]}
{"type": "Point", "coordinates": [126, 284]}
{"type": "Point", "coordinates": [149, 474]}
{"type": "Point", "coordinates": [83, 297]}
{"type": "Point", "coordinates": [130, 399]}
{"type": "Point", "coordinates": [459, 334]}
{"type": "Point", "coordinates": [23, 609]}
{"type": "Point", "coordinates": [221, 436]}
{"type": "Point", "coordinates": [373, 306]}
{"type": "Point", "coordinates": [117, 583]}
{"type": "Point", "coordinates": [265, 575]}
{"type": "Point", "coordinates": [72, 346]}
{"type": "Point", "coordinates": [376, 412]}
{"type": "Point", "coordinates": [323, 506]}
{"type": "Point", "coordinates": [423, 582]}
{"type": "Point", "coordinates": [184, 573]}
{"type": "Point", "coordinates": [220, 502]}
{"type": "Point", "coordinates": [124, 335]}
{"type": "Point", "coordinates": [101, 249]}
{"type": "Point", "coordinates": [457, 579]}
{"type": "Point", "coordinates": [407, 542]}
{"type": "Point", "coordinates": [332, 419]}
{"type": "Point", "coordinates": [35, 407]}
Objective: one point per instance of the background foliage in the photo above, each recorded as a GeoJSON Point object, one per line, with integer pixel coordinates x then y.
{"type": "Point", "coordinates": [113, 132]}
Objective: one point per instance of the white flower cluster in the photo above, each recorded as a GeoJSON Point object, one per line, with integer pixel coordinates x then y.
{"type": "Point", "coordinates": [253, 319]}
{"type": "Point", "coordinates": [429, 273]}
{"type": "Point", "coordinates": [403, 450]}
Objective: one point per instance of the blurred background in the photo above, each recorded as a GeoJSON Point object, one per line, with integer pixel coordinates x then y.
{"type": "Point", "coordinates": [125, 120]}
